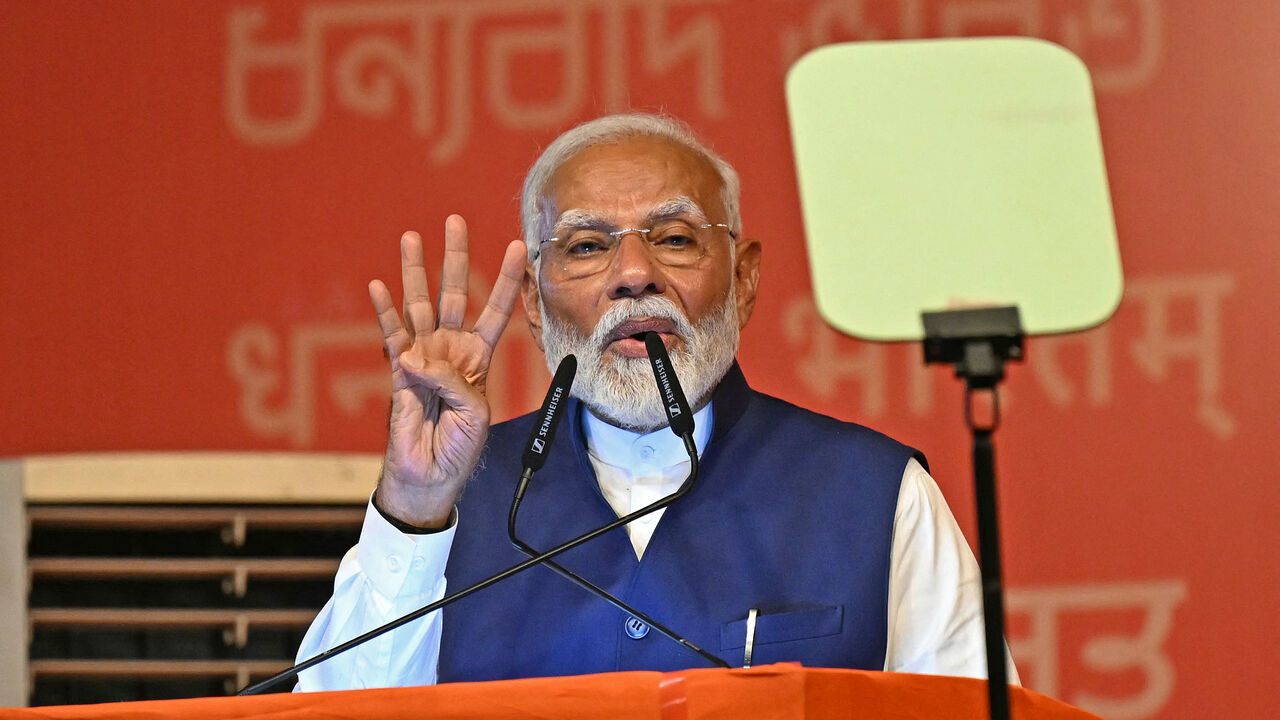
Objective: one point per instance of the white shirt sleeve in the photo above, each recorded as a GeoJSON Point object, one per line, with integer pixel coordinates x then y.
{"type": "Point", "coordinates": [387, 574]}
{"type": "Point", "coordinates": [935, 588]}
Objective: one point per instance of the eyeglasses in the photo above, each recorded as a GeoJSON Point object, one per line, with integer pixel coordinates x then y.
{"type": "Point", "coordinates": [589, 251]}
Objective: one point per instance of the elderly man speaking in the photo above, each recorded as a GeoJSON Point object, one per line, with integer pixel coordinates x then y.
{"type": "Point", "coordinates": [831, 537]}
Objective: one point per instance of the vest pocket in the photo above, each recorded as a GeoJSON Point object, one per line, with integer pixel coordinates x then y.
{"type": "Point", "coordinates": [784, 626]}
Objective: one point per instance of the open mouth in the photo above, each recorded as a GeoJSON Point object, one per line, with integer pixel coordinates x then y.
{"type": "Point", "coordinates": [628, 338]}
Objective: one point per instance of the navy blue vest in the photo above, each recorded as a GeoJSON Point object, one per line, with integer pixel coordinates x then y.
{"type": "Point", "coordinates": [792, 514]}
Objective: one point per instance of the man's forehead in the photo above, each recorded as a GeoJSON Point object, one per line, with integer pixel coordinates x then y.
{"type": "Point", "coordinates": [627, 181]}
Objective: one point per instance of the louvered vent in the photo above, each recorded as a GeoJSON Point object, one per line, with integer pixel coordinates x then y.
{"type": "Point", "coordinates": [134, 600]}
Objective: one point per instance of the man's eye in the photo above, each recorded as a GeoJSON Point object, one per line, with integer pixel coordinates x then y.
{"type": "Point", "coordinates": [585, 246]}
{"type": "Point", "coordinates": [677, 241]}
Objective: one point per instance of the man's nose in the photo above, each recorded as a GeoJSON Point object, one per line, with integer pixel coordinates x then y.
{"type": "Point", "coordinates": [634, 270]}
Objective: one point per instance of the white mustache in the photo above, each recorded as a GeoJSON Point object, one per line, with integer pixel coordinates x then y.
{"type": "Point", "coordinates": [629, 309]}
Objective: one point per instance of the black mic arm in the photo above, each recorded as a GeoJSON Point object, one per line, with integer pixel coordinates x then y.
{"type": "Point", "coordinates": [601, 592]}
{"type": "Point", "coordinates": [498, 577]}
{"type": "Point", "coordinates": [450, 599]}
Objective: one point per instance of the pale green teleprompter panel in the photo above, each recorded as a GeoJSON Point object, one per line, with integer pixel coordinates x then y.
{"type": "Point", "coordinates": [937, 174]}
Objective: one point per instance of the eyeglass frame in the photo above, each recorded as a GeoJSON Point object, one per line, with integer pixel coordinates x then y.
{"type": "Point", "coordinates": [643, 232]}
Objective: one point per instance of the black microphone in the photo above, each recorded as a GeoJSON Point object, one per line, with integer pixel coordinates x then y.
{"type": "Point", "coordinates": [480, 585]}
{"type": "Point", "coordinates": [544, 431]}
{"type": "Point", "coordinates": [673, 400]}
{"type": "Point", "coordinates": [536, 452]}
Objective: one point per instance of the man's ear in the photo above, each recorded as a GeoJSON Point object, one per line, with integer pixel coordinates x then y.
{"type": "Point", "coordinates": [532, 302]}
{"type": "Point", "coordinates": [746, 277]}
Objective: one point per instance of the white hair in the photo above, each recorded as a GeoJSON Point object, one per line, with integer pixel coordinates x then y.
{"type": "Point", "coordinates": [536, 214]}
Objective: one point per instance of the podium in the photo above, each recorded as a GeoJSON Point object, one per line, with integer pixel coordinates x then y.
{"type": "Point", "coordinates": [773, 692]}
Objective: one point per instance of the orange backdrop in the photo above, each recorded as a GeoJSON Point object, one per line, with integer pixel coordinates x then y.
{"type": "Point", "coordinates": [195, 195]}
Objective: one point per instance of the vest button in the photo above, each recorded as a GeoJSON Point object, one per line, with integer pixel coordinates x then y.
{"type": "Point", "coordinates": [635, 628]}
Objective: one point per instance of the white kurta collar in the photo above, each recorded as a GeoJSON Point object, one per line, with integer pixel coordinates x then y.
{"type": "Point", "coordinates": [640, 452]}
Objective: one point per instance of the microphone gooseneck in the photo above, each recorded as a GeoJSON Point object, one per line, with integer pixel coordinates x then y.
{"type": "Point", "coordinates": [677, 397]}
{"type": "Point", "coordinates": [673, 397]}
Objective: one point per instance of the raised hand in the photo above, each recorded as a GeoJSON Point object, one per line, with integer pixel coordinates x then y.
{"type": "Point", "coordinates": [439, 413]}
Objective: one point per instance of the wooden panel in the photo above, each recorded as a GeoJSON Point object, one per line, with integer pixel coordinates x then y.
{"type": "Point", "coordinates": [141, 568]}
{"type": "Point", "coordinates": [201, 477]}
{"type": "Point", "coordinates": [234, 522]}
{"type": "Point", "coordinates": [165, 617]}
{"type": "Point", "coordinates": [234, 573]}
{"type": "Point", "coordinates": [194, 518]}
{"type": "Point", "coordinates": [235, 624]}
{"type": "Point", "coordinates": [156, 668]}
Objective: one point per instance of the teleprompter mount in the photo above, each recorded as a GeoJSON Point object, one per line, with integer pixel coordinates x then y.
{"type": "Point", "coordinates": [978, 342]}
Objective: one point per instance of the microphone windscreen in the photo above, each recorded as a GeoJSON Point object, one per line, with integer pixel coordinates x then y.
{"type": "Point", "coordinates": [673, 400]}
{"type": "Point", "coordinates": [544, 430]}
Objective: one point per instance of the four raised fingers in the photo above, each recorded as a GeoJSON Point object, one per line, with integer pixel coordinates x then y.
{"type": "Point", "coordinates": [398, 335]}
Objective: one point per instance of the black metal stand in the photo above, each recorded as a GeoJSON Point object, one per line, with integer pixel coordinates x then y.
{"type": "Point", "coordinates": [978, 343]}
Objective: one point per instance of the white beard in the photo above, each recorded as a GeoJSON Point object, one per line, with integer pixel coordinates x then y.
{"type": "Point", "coordinates": [621, 390]}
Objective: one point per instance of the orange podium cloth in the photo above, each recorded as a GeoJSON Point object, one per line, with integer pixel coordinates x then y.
{"type": "Point", "coordinates": [771, 692]}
